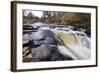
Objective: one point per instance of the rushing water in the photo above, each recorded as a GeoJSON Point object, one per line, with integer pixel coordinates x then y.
{"type": "Point", "coordinates": [74, 43]}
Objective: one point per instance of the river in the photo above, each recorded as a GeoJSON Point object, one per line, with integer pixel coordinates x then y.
{"type": "Point", "coordinates": [73, 42]}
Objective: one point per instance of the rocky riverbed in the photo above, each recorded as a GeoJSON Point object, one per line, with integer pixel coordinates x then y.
{"type": "Point", "coordinates": [55, 43]}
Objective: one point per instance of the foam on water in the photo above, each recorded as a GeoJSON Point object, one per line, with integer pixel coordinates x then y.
{"type": "Point", "coordinates": [76, 44]}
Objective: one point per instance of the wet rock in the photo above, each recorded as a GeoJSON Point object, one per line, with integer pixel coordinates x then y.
{"type": "Point", "coordinates": [40, 53]}
{"type": "Point", "coordinates": [48, 53]}
{"type": "Point", "coordinates": [49, 37]}
{"type": "Point", "coordinates": [43, 47]}
{"type": "Point", "coordinates": [37, 35]}
{"type": "Point", "coordinates": [55, 55]}
{"type": "Point", "coordinates": [44, 36]}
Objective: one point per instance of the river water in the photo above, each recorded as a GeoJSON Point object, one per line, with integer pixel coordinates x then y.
{"type": "Point", "coordinates": [74, 43]}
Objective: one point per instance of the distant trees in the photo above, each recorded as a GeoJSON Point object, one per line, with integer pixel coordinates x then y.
{"type": "Point", "coordinates": [24, 12]}
{"type": "Point", "coordinates": [31, 15]}
{"type": "Point", "coordinates": [49, 16]}
{"type": "Point", "coordinates": [78, 20]}
{"type": "Point", "coordinates": [59, 17]}
{"type": "Point", "coordinates": [49, 13]}
{"type": "Point", "coordinates": [29, 18]}
{"type": "Point", "coordinates": [65, 17]}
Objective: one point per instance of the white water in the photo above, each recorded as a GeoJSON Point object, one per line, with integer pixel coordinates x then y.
{"type": "Point", "coordinates": [76, 43]}
{"type": "Point", "coordinates": [81, 49]}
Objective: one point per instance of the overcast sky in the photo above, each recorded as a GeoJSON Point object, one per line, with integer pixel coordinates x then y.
{"type": "Point", "coordinates": [36, 13]}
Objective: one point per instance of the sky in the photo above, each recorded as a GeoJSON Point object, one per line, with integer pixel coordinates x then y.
{"type": "Point", "coordinates": [36, 13]}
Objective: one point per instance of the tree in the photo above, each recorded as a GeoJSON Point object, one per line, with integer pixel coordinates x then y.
{"type": "Point", "coordinates": [30, 15]}
{"type": "Point", "coordinates": [24, 12]}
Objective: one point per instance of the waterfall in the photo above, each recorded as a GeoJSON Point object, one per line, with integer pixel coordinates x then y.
{"type": "Point", "coordinates": [79, 48]}
{"type": "Point", "coordinates": [74, 43]}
